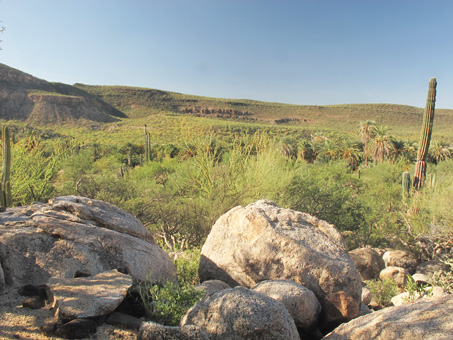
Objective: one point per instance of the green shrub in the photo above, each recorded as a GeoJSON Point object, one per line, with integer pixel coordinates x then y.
{"type": "Point", "coordinates": [443, 279]}
{"type": "Point", "coordinates": [383, 291]}
{"type": "Point", "coordinates": [168, 303]}
{"type": "Point", "coordinates": [187, 264]}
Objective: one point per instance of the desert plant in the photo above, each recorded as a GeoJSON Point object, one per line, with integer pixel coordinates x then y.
{"type": "Point", "coordinates": [443, 279]}
{"type": "Point", "coordinates": [383, 291]}
{"type": "Point", "coordinates": [166, 304]}
{"type": "Point", "coordinates": [5, 189]}
{"type": "Point", "coordinates": [406, 184]}
{"type": "Point", "coordinates": [425, 136]}
{"type": "Point", "coordinates": [416, 290]}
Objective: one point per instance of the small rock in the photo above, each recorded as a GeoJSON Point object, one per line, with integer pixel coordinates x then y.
{"type": "Point", "coordinates": [120, 319]}
{"type": "Point", "coordinates": [77, 329]}
{"type": "Point", "coordinates": [366, 296]}
{"type": "Point", "coordinates": [34, 302]}
{"type": "Point", "coordinates": [341, 308]}
{"type": "Point", "coordinates": [400, 258]}
{"type": "Point", "coordinates": [212, 286]}
{"type": "Point", "coordinates": [368, 263]}
{"type": "Point", "coordinates": [397, 274]}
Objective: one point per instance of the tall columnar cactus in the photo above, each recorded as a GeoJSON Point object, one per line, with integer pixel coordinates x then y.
{"type": "Point", "coordinates": [147, 146]}
{"type": "Point", "coordinates": [406, 184]}
{"type": "Point", "coordinates": [5, 190]}
{"type": "Point", "coordinates": [425, 137]}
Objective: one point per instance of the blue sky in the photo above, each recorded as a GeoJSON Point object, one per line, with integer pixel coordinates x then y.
{"type": "Point", "coordinates": [315, 52]}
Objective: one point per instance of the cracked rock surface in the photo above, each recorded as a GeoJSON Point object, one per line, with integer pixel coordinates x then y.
{"type": "Point", "coordinates": [72, 235]}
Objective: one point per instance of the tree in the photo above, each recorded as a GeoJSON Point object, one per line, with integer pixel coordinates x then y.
{"type": "Point", "coordinates": [366, 133]}
{"type": "Point", "coordinates": [383, 144]}
{"type": "Point", "coordinates": [439, 151]}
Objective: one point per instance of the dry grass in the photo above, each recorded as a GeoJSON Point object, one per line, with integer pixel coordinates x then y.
{"type": "Point", "coordinates": [17, 322]}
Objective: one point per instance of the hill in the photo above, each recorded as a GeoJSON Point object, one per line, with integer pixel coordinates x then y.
{"type": "Point", "coordinates": [36, 101]}
{"type": "Point", "coordinates": [27, 98]}
{"type": "Point", "coordinates": [143, 102]}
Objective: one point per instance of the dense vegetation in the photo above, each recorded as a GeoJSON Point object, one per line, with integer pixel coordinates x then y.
{"type": "Point", "coordinates": [354, 183]}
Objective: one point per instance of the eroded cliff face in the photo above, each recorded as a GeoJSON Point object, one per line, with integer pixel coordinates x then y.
{"type": "Point", "coordinates": [27, 98]}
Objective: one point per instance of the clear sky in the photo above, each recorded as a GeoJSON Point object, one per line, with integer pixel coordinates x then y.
{"type": "Point", "coordinates": [315, 52]}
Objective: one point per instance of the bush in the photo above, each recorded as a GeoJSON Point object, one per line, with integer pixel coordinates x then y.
{"type": "Point", "coordinates": [168, 303]}
{"type": "Point", "coordinates": [383, 291]}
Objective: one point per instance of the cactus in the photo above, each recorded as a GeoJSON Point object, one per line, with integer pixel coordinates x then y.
{"type": "Point", "coordinates": [406, 184]}
{"type": "Point", "coordinates": [147, 146]}
{"type": "Point", "coordinates": [5, 193]}
{"type": "Point", "coordinates": [129, 158]}
{"type": "Point", "coordinates": [425, 137]}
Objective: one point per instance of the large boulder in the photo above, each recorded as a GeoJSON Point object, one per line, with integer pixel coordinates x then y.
{"type": "Point", "coordinates": [261, 241]}
{"type": "Point", "coordinates": [72, 235]}
{"type": "Point", "coordinates": [300, 302]}
{"type": "Point", "coordinates": [368, 263]}
{"type": "Point", "coordinates": [425, 319]}
{"type": "Point", "coordinates": [88, 297]}
{"type": "Point", "coordinates": [241, 314]}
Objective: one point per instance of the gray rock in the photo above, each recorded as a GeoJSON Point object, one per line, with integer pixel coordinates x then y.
{"type": "Point", "coordinates": [76, 235]}
{"type": "Point", "coordinates": [88, 297]}
{"type": "Point", "coordinates": [300, 302]}
{"type": "Point", "coordinates": [77, 329]}
{"type": "Point", "coordinates": [264, 242]}
{"type": "Point", "coordinates": [400, 258]}
{"type": "Point", "coordinates": [425, 319]}
{"type": "Point", "coordinates": [241, 314]}
{"type": "Point", "coordinates": [430, 267]}
{"type": "Point", "coordinates": [397, 274]}
{"type": "Point", "coordinates": [368, 263]}
{"type": "Point", "coordinates": [154, 331]}
{"type": "Point", "coordinates": [212, 286]}
{"type": "Point", "coordinates": [364, 310]}
{"type": "Point", "coordinates": [366, 296]}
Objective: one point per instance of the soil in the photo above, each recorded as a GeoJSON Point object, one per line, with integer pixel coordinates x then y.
{"type": "Point", "coordinates": [17, 322]}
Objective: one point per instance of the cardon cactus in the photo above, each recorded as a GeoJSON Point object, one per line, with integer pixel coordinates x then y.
{"type": "Point", "coordinates": [425, 137]}
{"type": "Point", "coordinates": [5, 190]}
{"type": "Point", "coordinates": [406, 184]}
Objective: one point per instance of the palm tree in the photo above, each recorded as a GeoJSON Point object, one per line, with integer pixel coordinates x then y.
{"type": "Point", "coordinates": [350, 153]}
{"type": "Point", "coordinates": [439, 151]}
{"type": "Point", "coordinates": [366, 132]}
{"type": "Point", "coordinates": [329, 150]}
{"type": "Point", "coordinates": [383, 144]}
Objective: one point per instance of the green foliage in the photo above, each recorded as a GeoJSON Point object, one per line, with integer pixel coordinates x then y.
{"type": "Point", "coordinates": [415, 290]}
{"type": "Point", "coordinates": [187, 264]}
{"type": "Point", "coordinates": [383, 291]}
{"type": "Point", "coordinates": [329, 192]}
{"type": "Point", "coordinates": [443, 279]}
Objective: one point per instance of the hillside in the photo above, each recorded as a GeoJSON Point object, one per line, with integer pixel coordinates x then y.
{"type": "Point", "coordinates": [27, 98]}
{"type": "Point", "coordinates": [143, 102]}
{"type": "Point", "coordinates": [36, 101]}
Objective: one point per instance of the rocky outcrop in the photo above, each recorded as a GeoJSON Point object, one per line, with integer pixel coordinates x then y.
{"type": "Point", "coordinates": [76, 236]}
{"type": "Point", "coordinates": [88, 297]}
{"type": "Point", "coordinates": [240, 313]}
{"type": "Point", "coordinates": [300, 302]}
{"type": "Point", "coordinates": [425, 319]}
{"type": "Point", "coordinates": [368, 263]}
{"type": "Point", "coordinates": [27, 98]}
{"type": "Point", "coordinates": [260, 242]}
